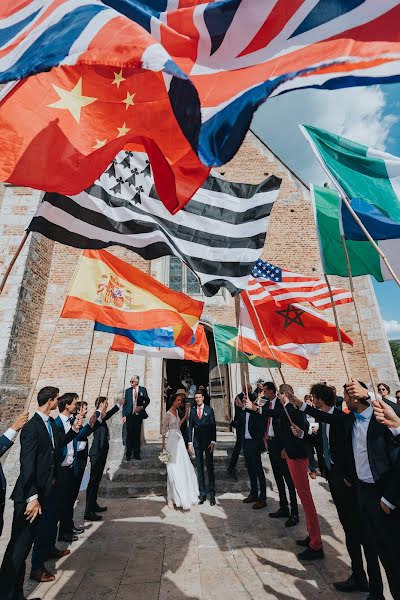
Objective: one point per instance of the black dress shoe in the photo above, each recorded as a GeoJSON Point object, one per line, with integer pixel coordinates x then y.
{"type": "Point", "coordinates": [202, 499]}
{"type": "Point", "coordinates": [292, 521]}
{"type": "Point", "coordinates": [250, 499]}
{"type": "Point", "coordinates": [78, 530]}
{"type": "Point", "coordinates": [100, 508]}
{"type": "Point", "coordinates": [127, 458]}
{"type": "Point", "coordinates": [91, 516]}
{"type": "Point", "coordinates": [311, 554]}
{"type": "Point", "coordinates": [352, 585]}
{"type": "Point", "coordinates": [137, 457]}
{"type": "Point", "coordinates": [67, 537]}
{"type": "Point", "coordinates": [281, 512]}
{"type": "Point", "coordinates": [305, 542]}
{"type": "Point", "coordinates": [212, 501]}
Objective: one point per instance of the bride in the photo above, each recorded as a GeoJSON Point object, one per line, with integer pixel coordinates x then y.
{"type": "Point", "coordinates": [182, 486]}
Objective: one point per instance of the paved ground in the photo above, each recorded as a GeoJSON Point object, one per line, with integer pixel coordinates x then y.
{"type": "Point", "coordinates": [144, 551]}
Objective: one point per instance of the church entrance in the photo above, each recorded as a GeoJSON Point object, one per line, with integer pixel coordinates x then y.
{"type": "Point", "coordinates": [214, 380]}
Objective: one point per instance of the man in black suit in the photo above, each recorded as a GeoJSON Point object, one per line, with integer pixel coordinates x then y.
{"type": "Point", "coordinates": [372, 456]}
{"type": "Point", "coordinates": [202, 437]}
{"type": "Point", "coordinates": [279, 464]}
{"type": "Point", "coordinates": [33, 493]}
{"type": "Point", "coordinates": [331, 434]}
{"type": "Point", "coordinates": [98, 457]}
{"type": "Point", "coordinates": [81, 454]}
{"type": "Point", "coordinates": [238, 424]}
{"type": "Point", "coordinates": [253, 429]}
{"type": "Point", "coordinates": [6, 441]}
{"type": "Point", "coordinates": [133, 413]}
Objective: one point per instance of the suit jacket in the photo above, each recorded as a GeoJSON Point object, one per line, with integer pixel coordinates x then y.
{"type": "Point", "coordinates": [101, 436]}
{"type": "Point", "coordinates": [142, 400]}
{"type": "Point", "coordinates": [39, 459]}
{"type": "Point", "coordinates": [337, 439]}
{"type": "Point", "coordinates": [276, 420]}
{"type": "Point", "coordinates": [5, 444]}
{"type": "Point", "coordinates": [383, 454]}
{"type": "Point", "coordinates": [294, 447]}
{"type": "Point", "coordinates": [202, 431]}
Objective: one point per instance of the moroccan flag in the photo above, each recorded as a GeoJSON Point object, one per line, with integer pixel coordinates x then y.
{"type": "Point", "coordinates": [357, 170]}
{"type": "Point", "coordinates": [332, 219]}
{"type": "Point", "coordinates": [227, 349]}
{"type": "Point", "coordinates": [112, 86]}
{"type": "Point", "coordinates": [293, 323]}
{"type": "Point", "coordinates": [108, 290]}
{"type": "Point", "coordinates": [197, 352]}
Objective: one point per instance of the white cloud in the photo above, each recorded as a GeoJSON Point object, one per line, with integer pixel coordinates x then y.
{"type": "Point", "coordinates": [356, 113]}
{"type": "Point", "coordinates": [392, 329]}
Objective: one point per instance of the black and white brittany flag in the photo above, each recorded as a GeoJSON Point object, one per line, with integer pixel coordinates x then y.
{"type": "Point", "coordinates": [219, 234]}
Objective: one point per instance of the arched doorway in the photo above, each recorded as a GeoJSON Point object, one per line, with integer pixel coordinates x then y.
{"type": "Point", "coordinates": [215, 379]}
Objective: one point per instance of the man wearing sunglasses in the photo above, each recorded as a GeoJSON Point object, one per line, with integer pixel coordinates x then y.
{"type": "Point", "coordinates": [133, 413]}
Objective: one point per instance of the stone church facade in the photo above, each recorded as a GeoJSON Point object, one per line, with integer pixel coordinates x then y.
{"type": "Point", "coordinates": [38, 348]}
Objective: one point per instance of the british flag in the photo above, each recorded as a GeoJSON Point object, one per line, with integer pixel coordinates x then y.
{"type": "Point", "coordinates": [224, 57]}
{"type": "Point", "coordinates": [270, 282]}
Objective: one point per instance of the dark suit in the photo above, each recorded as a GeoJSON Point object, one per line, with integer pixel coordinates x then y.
{"type": "Point", "coordinates": [201, 433]}
{"type": "Point", "coordinates": [253, 446]}
{"type": "Point", "coordinates": [279, 464]}
{"type": "Point", "coordinates": [98, 457]}
{"type": "Point", "coordinates": [38, 475]}
{"type": "Point", "coordinates": [5, 444]}
{"type": "Point", "coordinates": [333, 463]}
{"type": "Point", "coordinates": [134, 420]}
{"type": "Point", "coordinates": [384, 530]}
{"type": "Point", "coordinates": [237, 423]}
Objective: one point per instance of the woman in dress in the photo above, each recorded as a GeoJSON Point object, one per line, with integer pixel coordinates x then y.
{"type": "Point", "coordinates": [182, 485]}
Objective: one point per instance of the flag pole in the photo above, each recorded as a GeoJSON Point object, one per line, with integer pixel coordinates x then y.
{"type": "Point", "coordinates": [339, 333]}
{"type": "Point", "coordinates": [126, 368]}
{"type": "Point", "coordinates": [108, 387]}
{"type": "Point", "coordinates": [12, 262]}
{"type": "Point", "coordinates": [272, 352]}
{"type": "Point", "coordinates": [242, 366]}
{"type": "Point", "coordinates": [363, 341]}
{"type": "Point", "coordinates": [105, 371]}
{"type": "Point", "coordinates": [87, 364]}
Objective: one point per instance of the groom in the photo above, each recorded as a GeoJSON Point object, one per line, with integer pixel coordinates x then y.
{"type": "Point", "coordinates": [202, 435]}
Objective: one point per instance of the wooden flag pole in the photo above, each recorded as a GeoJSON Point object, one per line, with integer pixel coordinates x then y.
{"type": "Point", "coordinates": [12, 262]}
{"type": "Point", "coordinates": [346, 200]}
{"type": "Point", "coordinates": [272, 352]}
{"type": "Point", "coordinates": [87, 365]}
{"type": "Point", "coordinates": [105, 371]}
{"type": "Point", "coordinates": [243, 366]}
{"type": "Point", "coordinates": [363, 341]}
{"type": "Point", "coordinates": [126, 368]}
{"type": "Point", "coordinates": [339, 333]}
{"type": "Point", "coordinates": [108, 387]}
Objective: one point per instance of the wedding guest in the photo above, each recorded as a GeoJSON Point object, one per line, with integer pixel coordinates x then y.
{"type": "Point", "coordinates": [237, 423]}
{"type": "Point", "coordinates": [202, 438]}
{"type": "Point", "coordinates": [6, 441]}
{"type": "Point", "coordinates": [384, 391]}
{"type": "Point", "coordinates": [133, 414]}
{"type": "Point", "coordinates": [253, 431]}
{"type": "Point", "coordinates": [373, 455]}
{"type": "Point", "coordinates": [397, 397]}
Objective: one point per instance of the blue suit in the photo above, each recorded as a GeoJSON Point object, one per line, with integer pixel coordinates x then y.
{"type": "Point", "coordinates": [5, 444]}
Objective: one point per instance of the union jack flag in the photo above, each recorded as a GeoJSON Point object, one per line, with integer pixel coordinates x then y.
{"type": "Point", "coordinates": [270, 282]}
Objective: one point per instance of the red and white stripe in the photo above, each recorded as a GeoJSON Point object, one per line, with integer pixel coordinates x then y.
{"type": "Point", "coordinates": [296, 288]}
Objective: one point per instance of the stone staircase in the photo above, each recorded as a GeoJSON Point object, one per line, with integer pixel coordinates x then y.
{"type": "Point", "coordinates": [149, 476]}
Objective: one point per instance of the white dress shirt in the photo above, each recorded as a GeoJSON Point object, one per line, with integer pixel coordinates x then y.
{"type": "Point", "coordinates": [10, 434]}
{"type": "Point", "coordinates": [271, 432]}
{"type": "Point", "coordinates": [247, 435]}
{"type": "Point", "coordinates": [360, 449]}
{"type": "Point", "coordinates": [69, 459]}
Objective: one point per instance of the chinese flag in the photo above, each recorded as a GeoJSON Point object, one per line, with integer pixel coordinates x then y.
{"type": "Point", "coordinates": [60, 130]}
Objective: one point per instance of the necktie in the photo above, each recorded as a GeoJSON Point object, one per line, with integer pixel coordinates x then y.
{"type": "Point", "coordinates": [325, 448]}
{"type": "Point", "coordinates": [50, 431]}
{"type": "Point", "coordinates": [199, 412]}
{"type": "Point", "coordinates": [359, 417]}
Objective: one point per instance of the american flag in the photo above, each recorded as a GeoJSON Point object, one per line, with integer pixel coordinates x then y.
{"type": "Point", "coordinates": [271, 282]}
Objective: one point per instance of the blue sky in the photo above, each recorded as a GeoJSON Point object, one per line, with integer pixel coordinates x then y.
{"type": "Point", "coordinates": [368, 115]}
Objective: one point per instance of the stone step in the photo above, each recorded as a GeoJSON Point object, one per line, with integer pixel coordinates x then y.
{"type": "Point", "coordinates": [122, 489]}
{"type": "Point", "coordinates": [150, 462]}
{"type": "Point", "coordinates": [160, 474]}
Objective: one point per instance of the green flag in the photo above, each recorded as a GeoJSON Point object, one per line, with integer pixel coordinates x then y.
{"type": "Point", "coordinates": [225, 338]}
{"type": "Point", "coordinates": [359, 171]}
{"type": "Point", "coordinates": [364, 259]}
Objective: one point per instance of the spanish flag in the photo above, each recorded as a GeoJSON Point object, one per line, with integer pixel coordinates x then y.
{"type": "Point", "coordinates": [196, 352]}
{"type": "Point", "coordinates": [108, 290]}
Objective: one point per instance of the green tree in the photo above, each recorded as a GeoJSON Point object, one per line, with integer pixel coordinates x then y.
{"type": "Point", "coordinates": [395, 348]}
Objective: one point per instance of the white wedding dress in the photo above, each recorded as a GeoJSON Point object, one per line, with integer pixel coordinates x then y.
{"type": "Point", "coordinates": [182, 485]}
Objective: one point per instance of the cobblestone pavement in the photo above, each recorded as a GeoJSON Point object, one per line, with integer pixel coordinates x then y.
{"type": "Point", "coordinates": [144, 551]}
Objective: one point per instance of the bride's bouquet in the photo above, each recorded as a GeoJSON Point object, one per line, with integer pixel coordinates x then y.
{"type": "Point", "coordinates": [164, 456]}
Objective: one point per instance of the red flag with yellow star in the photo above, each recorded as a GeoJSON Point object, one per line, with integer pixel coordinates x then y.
{"type": "Point", "coordinates": [60, 130]}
